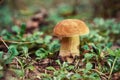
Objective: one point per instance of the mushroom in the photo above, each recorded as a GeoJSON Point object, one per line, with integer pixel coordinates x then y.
{"type": "Point", "coordinates": [69, 31]}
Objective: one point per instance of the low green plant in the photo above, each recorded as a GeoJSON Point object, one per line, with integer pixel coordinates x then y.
{"type": "Point", "coordinates": [64, 73]}
{"type": "Point", "coordinates": [97, 56]}
{"type": "Point", "coordinates": [116, 55]}
{"type": "Point", "coordinates": [6, 58]}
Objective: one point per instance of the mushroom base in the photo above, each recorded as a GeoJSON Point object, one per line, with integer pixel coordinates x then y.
{"type": "Point", "coordinates": [69, 48]}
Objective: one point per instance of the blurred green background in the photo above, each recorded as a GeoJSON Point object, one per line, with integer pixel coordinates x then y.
{"type": "Point", "coordinates": [16, 11]}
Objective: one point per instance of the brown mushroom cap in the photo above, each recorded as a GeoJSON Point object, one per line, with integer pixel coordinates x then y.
{"type": "Point", "coordinates": [70, 27]}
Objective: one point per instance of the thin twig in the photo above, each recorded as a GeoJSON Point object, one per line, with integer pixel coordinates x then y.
{"type": "Point", "coordinates": [21, 64]}
{"type": "Point", "coordinates": [15, 42]}
{"type": "Point", "coordinates": [4, 43]}
{"type": "Point", "coordinates": [100, 72]}
{"type": "Point", "coordinates": [112, 68]}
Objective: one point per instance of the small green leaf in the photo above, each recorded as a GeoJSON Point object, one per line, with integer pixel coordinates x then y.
{"type": "Point", "coordinates": [1, 55]}
{"type": "Point", "coordinates": [76, 76]}
{"type": "Point", "coordinates": [12, 53]}
{"type": "Point", "coordinates": [22, 30]}
{"type": "Point", "coordinates": [18, 72]}
{"type": "Point", "coordinates": [86, 47]}
{"type": "Point", "coordinates": [88, 56]}
{"type": "Point", "coordinates": [41, 53]}
{"type": "Point", "coordinates": [89, 66]}
{"type": "Point", "coordinates": [115, 52]}
{"type": "Point", "coordinates": [16, 29]}
{"type": "Point", "coordinates": [13, 50]}
{"type": "Point", "coordinates": [64, 65]}
{"type": "Point", "coordinates": [109, 45]}
{"type": "Point", "coordinates": [25, 51]}
{"type": "Point", "coordinates": [31, 67]}
{"type": "Point", "coordinates": [70, 67]}
{"type": "Point", "coordinates": [54, 46]}
{"type": "Point", "coordinates": [47, 39]}
{"type": "Point", "coordinates": [51, 68]}
{"type": "Point", "coordinates": [111, 52]}
{"type": "Point", "coordinates": [59, 63]}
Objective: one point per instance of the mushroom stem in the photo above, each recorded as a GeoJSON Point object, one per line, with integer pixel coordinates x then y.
{"type": "Point", "coordinates": [70, 46]}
